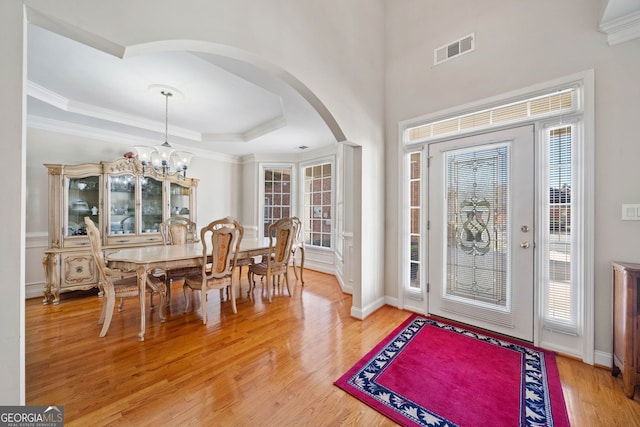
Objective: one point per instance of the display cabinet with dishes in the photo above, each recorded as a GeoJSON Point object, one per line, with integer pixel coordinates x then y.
{"type": "Point", "coordinates": [127, 205]}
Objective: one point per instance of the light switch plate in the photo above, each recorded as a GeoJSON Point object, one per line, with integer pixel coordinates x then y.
{"type": "Point", "coordinates": [631, 212]}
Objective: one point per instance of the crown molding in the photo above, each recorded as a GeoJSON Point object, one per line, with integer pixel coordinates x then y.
{"type": "Point", "coordinates": [253, 133]}
{"type": "Point", "coordinates": [128, 140]}
{"type": "Point", "coordinates": [621, 29]}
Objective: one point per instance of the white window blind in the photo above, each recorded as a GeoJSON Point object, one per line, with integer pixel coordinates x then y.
{"type": "Point", "coordinates": [525, 110]}
{"type": "Point", "coordinates": [560, 305]}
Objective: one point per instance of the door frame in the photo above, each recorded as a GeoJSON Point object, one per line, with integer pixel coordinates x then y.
{"type": "Point", "coordinates": [517, 316]}
{"type": "Point", "coordinates": [583, 347]}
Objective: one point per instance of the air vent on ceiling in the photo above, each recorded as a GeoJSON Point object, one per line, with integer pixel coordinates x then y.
{"type": "Point", "coordinates": [451, 50]}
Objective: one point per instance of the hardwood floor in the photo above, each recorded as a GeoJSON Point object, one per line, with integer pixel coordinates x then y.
{"type": "Point", "coordinates": [268, 365]}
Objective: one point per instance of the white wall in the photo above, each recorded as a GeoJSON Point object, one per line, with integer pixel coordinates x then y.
{"type": "Point", "coordinates": [520, 44]}
{"type": "Point", "coordinates": [12, 215]}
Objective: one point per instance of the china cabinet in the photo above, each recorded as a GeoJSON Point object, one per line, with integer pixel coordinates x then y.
{"type": "Point", "coordinates": [126, 205]}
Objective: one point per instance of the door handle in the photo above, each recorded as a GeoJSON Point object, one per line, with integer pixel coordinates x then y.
{"type": "Point", "coordinates": [524, 244]}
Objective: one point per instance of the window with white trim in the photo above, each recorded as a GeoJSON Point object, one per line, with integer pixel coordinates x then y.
{"type": "Point", "coordinates": [558, 240]}
{"type": "Point", "coordinates": [415, 220]}
{"type": "Point", "coordinates": [318, 205]}
{"type": "Point", "coordinates": [276, 186]}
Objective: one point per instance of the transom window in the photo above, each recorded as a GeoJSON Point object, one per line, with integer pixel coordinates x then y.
{"type": "Point", "coordinates": [535, 108]}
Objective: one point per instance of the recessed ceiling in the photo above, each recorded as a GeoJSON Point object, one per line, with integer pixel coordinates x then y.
{"type": "Point", "coordinates": [228, 106]}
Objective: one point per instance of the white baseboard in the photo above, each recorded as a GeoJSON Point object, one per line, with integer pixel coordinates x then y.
{"type": "Point", "coordinates": [366, 311]}
{"type": "Point", "coordinates": [602, 359]}
{"type": "Point", "coordinates": [34, 290]}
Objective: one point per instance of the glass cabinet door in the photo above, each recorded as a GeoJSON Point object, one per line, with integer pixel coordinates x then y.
{"type": "Point", "coordinates": [151, 205]}
{"type": "Point", "coordinates": [180, 199]}
{"type": "Point", "coordinates": [83, 195]}
{"type": "Point", "coordinates": [122, 198]}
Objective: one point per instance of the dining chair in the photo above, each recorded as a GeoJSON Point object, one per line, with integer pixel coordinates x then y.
{"type": "Point", "coordinates": [281, 237]}
{"type": "Point", "coordinates": [176, 230]}
{"type": "Point", "coordinates": [298, 245]}
{"type": "Point", "coordinates": [220, 244]}
{"type": "Point", "coordinates": [117, 284]}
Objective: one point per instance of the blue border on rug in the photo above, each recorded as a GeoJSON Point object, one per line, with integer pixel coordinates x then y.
{"type": "Point", "coordinates": [534, 392]}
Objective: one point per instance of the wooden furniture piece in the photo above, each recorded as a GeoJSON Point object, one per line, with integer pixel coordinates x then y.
{"type": "Point", "coordinates": [126, 205]}
{"type": "Point", "coordinates": [220, 240]}
{"type": "Point", "coordinates": [116, 284]}
{"type": "Point", "coordinates": [143, 259]}
{"type": "Point", "coordinates": [626, 330]}
{"type": "Point", "coordinates": [281, 236]}
{"type": "Point", "coordinates": [178, 230]}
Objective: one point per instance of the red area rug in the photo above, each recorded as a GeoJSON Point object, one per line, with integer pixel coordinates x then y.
{"type": "Point", "coordinates": [432, 373]}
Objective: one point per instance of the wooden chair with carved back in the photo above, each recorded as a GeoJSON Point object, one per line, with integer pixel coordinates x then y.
{"type": "Point", "coordinates": [117, 284]}
{"type": "Point", "coordinates": [176, 230]}
{"type": "Point", "coordinates": [281, 237]}
{"type": "Point", "coordinates": [220, 244]}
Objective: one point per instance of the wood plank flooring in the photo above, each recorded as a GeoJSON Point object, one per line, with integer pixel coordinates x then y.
{"type": "Point", "coordinates": [268, 365]}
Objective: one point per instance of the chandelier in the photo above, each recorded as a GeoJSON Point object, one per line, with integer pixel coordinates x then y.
{"type": "Point", "coordinates": [163, 158]}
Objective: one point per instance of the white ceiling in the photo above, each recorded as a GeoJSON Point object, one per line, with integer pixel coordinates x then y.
{"type": "Point", "coordinates": [228, 106]}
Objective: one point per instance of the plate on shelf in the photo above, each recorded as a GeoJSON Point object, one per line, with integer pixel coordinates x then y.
{"type": "Point", "coordinates": [80, 206]}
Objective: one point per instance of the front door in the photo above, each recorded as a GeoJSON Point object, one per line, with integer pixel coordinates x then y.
{"type": "Point", "coordinates": [480, 238]}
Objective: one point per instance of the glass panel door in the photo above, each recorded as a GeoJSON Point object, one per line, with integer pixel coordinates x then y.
{"type": "Point", "coordinates": [151, 205]}
{"type": "Point", "coordinates": [180, 200]}
{"type": "Point", "coordinates": [83, 195]}
{"type": "Point", "coordinates": [122, 196]}
{"type": "Point", "coordinates": [481, 199]}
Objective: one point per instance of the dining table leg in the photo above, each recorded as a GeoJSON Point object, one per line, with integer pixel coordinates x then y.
{"type": "Point", "coordinates": [142, 287]}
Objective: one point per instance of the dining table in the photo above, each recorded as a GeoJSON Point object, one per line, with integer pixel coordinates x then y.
{"type": "Point", "coordinates": [145, 259]}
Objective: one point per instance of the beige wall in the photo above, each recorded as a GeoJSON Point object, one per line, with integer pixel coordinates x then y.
{"type": "Point", "coordinates": [520, 44]}
{"type": "Point", "coordinates": [12, 216]}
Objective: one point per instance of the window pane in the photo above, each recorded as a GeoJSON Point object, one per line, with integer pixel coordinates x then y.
{"type": "Point", "coordinates": [277, 196]}
{"type": "Point", "coordinates": [560, 307]}
{"type": "Point", "coordinates": [415, 216]}
{"type": "Point", "coordinates": [317, 204]}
